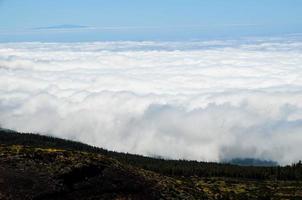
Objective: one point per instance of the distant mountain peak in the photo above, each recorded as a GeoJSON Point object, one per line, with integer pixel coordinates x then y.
{"type": "Point", "coordinates": [62, 26]}
{"type": "Point", "coordinates": [252, 162]}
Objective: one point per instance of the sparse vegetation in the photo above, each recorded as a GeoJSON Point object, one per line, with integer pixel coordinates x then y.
{"type": "Point", "coordinates": [41, 167]}
{"type": "Point", "coordinates": [162, 166]}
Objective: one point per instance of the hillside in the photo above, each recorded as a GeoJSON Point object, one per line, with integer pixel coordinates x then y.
{"type": "Point", "coordinates": [47, 173]}
{"type": "Point", "coordinates": [41, 167]}
{"type": "Point", "coordinates": [162, 166]}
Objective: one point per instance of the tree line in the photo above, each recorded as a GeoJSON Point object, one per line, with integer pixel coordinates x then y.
{"type": "Point", "coordinates": [166, 167]}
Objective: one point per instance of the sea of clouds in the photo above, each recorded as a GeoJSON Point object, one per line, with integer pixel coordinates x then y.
{"type": "Point", "coordinates": [203, 100]}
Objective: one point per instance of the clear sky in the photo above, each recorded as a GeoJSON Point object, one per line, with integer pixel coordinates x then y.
{"type": "Point", "coordinates": [79, 20]}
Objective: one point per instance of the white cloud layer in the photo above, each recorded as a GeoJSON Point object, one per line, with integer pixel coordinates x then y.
{"type": "Point", "coordinates": [208, 101]}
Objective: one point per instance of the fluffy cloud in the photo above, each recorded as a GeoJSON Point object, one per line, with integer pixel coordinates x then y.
{"type": "Point", "coordinates": [211, 100]}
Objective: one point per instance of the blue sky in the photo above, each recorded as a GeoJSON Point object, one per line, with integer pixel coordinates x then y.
{"type": "Point", "coordinates": [36, 20]}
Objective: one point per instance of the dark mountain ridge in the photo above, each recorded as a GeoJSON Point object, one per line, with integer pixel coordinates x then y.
{"type": "Point", "coordinates": [159, 165]}
{"type": "Point", "coordinates": [41, 167]}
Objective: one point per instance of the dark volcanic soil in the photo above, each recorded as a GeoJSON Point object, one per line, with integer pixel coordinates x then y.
{"type": "Point", "coordinates": [35, 173]}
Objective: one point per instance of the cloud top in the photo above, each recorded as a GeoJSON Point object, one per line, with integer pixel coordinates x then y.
{"type": "Point", "coordinates": [211, 100]}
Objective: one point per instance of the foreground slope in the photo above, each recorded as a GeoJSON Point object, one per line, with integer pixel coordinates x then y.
{"type": "Point", "coordinates": [41, 167]}
{"type": "Point", "coordinates": [41, 173]}
{"type": "Point", "coordinates": [162, 166]}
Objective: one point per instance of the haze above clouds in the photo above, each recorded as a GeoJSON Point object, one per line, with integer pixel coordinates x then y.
{"type": "Point", "coordinates": [210, 100]}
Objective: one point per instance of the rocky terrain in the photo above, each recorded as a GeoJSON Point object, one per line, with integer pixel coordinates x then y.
{"type": "Point", "coordinates": [37, 173]}
{"type": "Point", "coordinates": [39, 167]}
